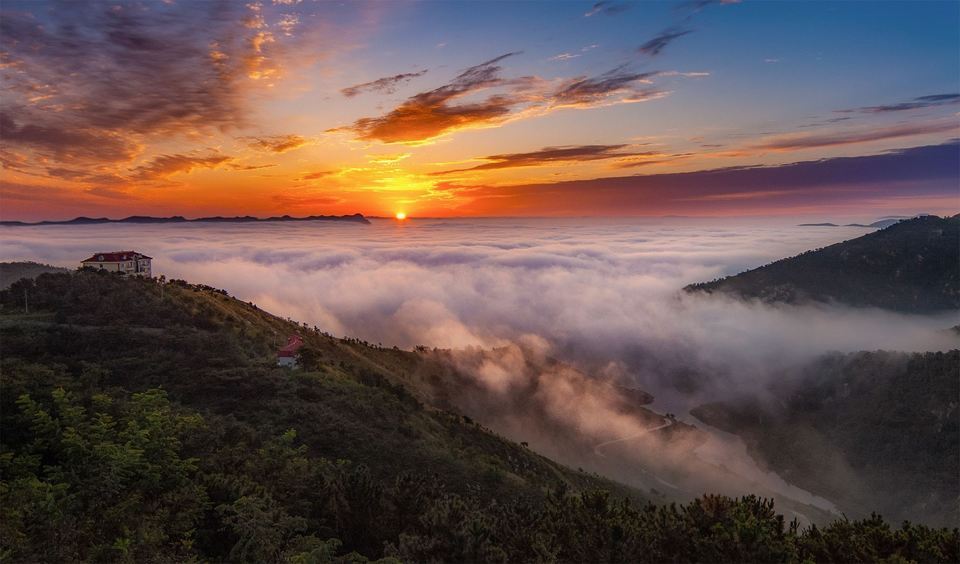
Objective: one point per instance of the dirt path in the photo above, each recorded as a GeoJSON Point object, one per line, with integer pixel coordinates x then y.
{"type": "Point", "coordinates": [596, 449]}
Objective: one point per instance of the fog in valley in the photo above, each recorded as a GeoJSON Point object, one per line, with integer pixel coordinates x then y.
{"type": "Point", "coordinates": [546, 325]}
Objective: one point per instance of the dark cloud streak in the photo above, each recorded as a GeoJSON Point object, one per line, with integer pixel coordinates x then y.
{"type": "Point", "coordinates": [831, 139]}
{"type": "Point", "coordinates": [553, 155]}
{"type": "Point", "coordinates": [165, 166]}
{"type": "Point", "coordinates": [919, 102]}
{"type": "Point", "coordinates": [607, 8]}
{"type": "Point", "coordinates": [585, 91]}
{"type": "Point", "coordinates": [656, 45]}
{"type": "Point", "coordinates": [386, 85]}
{"type": "Point", "coordinates": [276, 143]}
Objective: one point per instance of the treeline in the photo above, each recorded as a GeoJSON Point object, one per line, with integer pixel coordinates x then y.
{"type": "Point", "coordinates": [135, 478]}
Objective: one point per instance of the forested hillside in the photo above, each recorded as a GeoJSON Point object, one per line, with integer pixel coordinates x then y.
{"type": "Point", "coordinates": [10, 272]}
{"type": "Point", "coordinates": [911, 266]}
{"type": "Point", "coordinates": [871, 430]}
{"type": "Point", "coordinates": [147, 421]}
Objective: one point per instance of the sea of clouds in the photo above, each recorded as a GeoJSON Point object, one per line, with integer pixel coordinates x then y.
{"type": "Point", "coordinates": [507, 295]}
{"type": "Point", "coordinates": [599, 292]}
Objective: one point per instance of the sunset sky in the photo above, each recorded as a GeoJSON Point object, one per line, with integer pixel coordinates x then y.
{"type": "Point", "coordinates": [479, 109]}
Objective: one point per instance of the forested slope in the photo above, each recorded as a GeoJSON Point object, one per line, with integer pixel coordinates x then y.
{"type": "Point", "coordinates": [10, 272]}
{"type": "Point", "coordinates": [871, 430]}
{"type": "Point", "coordinates": [911, 266]}
{"type": "Point", "coordinates": [147, 421]}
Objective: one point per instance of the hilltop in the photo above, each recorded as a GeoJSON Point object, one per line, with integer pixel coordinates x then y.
{"type": "Point", "coordinates": [910, 266]}
{"type": "Point", "coordinates": [148, 421]}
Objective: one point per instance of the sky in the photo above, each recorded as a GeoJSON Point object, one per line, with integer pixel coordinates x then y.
{"type": "Point", "coordinates": [699, 108]}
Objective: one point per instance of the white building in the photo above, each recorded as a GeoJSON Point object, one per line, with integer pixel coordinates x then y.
{"type": "Point", "coordinates": [127, 262]}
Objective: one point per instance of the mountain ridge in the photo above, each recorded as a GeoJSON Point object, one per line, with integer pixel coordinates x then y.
{"type": "Point", "coordinates": [910, 266]}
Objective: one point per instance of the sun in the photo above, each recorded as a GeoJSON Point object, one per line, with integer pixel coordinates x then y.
{"type": "Point", "coordinates": [401, 215]}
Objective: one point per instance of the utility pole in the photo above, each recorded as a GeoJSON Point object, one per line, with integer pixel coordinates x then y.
{"type": "Point", "coordinates": [26, 305]}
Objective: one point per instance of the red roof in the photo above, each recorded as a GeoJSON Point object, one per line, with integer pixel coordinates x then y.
{"type": "Point", "coordinates": [116, 256]}
{"type": "Point", "coordinates": [293, 345]}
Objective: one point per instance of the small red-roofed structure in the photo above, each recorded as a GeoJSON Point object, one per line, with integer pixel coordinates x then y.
{"type": "Point", "coordinates": [287, 354]}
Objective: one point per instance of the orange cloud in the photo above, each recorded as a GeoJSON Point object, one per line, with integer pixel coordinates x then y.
{"type": "Point", "coordinates": [165, 166]}
{"type": "Point", "coordinates": [317, 174]}
{"type": "Point", "coordinates": [69, 144]}
{"type": "Point", "coordinates": [433, 113]}
{"type": "Point", "coordinates": [440, 111]}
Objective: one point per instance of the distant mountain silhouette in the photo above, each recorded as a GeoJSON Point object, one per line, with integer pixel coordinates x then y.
{"type": "Point", "coordinates": [911, 266]}
{"type": "Point", "coordinates": [881, 224]}
{"type": "Point", "coordinates": [355, 218]}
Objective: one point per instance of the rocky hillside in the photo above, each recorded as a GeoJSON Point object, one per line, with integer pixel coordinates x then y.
{"type": "Point", "coordinates": [911, 266]}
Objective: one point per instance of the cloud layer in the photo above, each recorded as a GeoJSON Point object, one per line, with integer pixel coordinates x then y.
{"type": "Point", "coordinates": [582, 285]}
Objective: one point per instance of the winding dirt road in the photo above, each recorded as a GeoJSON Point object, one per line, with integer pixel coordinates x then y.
{"type": "Point", "coordinates": [596, 449]}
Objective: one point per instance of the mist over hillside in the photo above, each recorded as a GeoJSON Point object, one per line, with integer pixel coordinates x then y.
{"type": "Point", "coordinates": [214, 452]}
{"type": "Point", "coordinates": [498, 281]}
{"type": "Point", "coordinates": [601, 293]}
{"type": "Point", "coordinates": [877, 429]}
{"type": "Point", "coordinates": [508, 298]}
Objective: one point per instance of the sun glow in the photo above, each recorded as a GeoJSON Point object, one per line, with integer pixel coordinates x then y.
{"type": "Point", "coordinates": [401, 216]}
